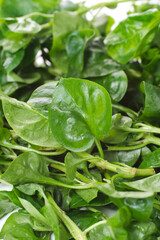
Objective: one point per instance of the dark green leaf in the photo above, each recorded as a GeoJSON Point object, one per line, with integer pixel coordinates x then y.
{"type": "Point", "coordinates": [152, 98]}
{"type": "Point", "coordinates": [28, 123]}
{"type": "Point", "coordinates": [151, 160]}
{"type": "Point", "coordinates": [116, 134]}
{"type": "Point", "coordinates": [41, 98]}
{"type": "Point", "coordinates": [151, 184]}
{"type": "Point", "coordinates": [12, 60]}
{"type": "Point", "coordinates": [133, 36]}
{"type": "Point", "coordinates": [89, 108]}
{"type": "Point", "coordinates": [115, 83]}
{"type": "Point", "coordinates": [140, 231]}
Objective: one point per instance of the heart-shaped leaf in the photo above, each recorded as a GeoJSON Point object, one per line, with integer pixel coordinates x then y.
{"type": "Point", "coordinates": [79, 113]}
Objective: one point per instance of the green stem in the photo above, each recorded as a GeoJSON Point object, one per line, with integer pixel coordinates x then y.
{"type": "Point", "coordinates": [35, 14]}
{"type": "Point", "coordinates": [128, 111]}
{"type": "Point", "coordinates": [94, 226]}
{"type": "Point", "coordinates": [153, 140]}
{"type": "Point", "coordinates": [46, 25]}
{"type": "Point", "coordinates": [4, 163]}
{"type": "Point", "coordinates": [51, 181]}
{"type": "Point", "coordinates": [128, 148]}
{"type": "Point", "coordinates": [147, 129]}
{"type": "Point", "coordinates": [127, 172]}
{"type": "Point", "coordinates": [63, 169]}
{"type": "Point", "coordinates": [104, 4]}
{"type": "Point", "coordinates": [99, 147]}
{"type": "Point", "coordinates": [74, 230]}
{"type": "Point", "coordinates": [25, 149]}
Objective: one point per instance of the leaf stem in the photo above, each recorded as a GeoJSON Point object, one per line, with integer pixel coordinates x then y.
{"type": "Point", "coordinates": [25, 149]}
{"type": "Point", "coordinates": [104, 4]}
{"type": "Point", "coordinates": [63, 169]}
{"type": "Point", "coordinates": [51, 181]}
{"type": "Point", "coordinates": [94, 226]}
{"type": "Point", "coordinates": [126, 172]}
{"type": "Point", "coordinates": [7, 163]}
{"type": "Point", "coordinates": [146, 129]}
{"type": "Point", "coordinates": [72, 227]}
{"type": "Point", "coordinates": [128, 111]}
{"type": "Point", "coordinates": [34, 14]}
{"type": "Point", "coordinates": [128, 148]}
{"type": "Point", "coordinates": [99, 147]}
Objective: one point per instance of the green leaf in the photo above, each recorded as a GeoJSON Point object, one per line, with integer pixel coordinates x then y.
{"type": "Point", "coordinates": [87, 194]}
{"type": "Point", "coordinates": [89, 108]}
{"type": "Point", "coordinates": [115, 83]}
{"type": "Point", "coordinates": [84, 218]}
{"type": "Point", "coordinates": [71, 164]}
{"type": "Point", "coordinates": [152, 98]}
{"type": "Point", "coordinates": [151, 184]}
{"type": "Point", "coordinates": [21, 225]}
{"type": "Point", "coordinates": [98, 65]}
{"type": "Point", "coordinates": [41, 98]}
{"type": "Point", "coordinates": [109, 190]}
{"type": "Point", "coordinates": [113, 228]}
{"type": "Point", "coordinates": [151, 160]}
{"type": "Point", "coordinates": [116, 134]}
{"type": "Point", "coordinates": [23, 25]}
{"type": "Point", "coordinates": [12, 60]}
{"type": "Point", "coordinates": [18, 8]}
{"type": "Point", "coordinates": [68, 22]}
{"type": "Point", "coordinates": [27, 167]}
{"type": "Point", "coordinates": [100, 200]}
{"type": "Point", "coordinates": [141, 209]}
{"type": "Point", "coordinates": [29, 124]}
{"type": "Point", "coordinates": [75, 46]}
{"type": "Point", "coordinates": [7, 202]}
{"type": "Point", "coordinates": [141, 230]}
{"type": "Point", "coordinates": [47, 210]}
{"type": "Point", "coordinates": [126, 157]}
{"type": "Point", "coordinates": [133, 36]}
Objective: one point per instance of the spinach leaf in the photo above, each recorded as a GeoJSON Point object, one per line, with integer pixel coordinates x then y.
{"type": "Point", "coordinates": [151, 184]}
{"type": "Point", "coordinates": [133, 36]}
{"type": "Point", "coordinates": [70, 109]}
{"type": "Point", "coordinates": [115, 83]}
{"type": "Point", "coordinates": [75, 46]}
{"type": "Point", "coordinates": [142, 230]}
{"type": "Point", "coordinates": [8, 202]}
{"type": "Point", "coordinates": [116, 134]}
{"type": "Point", "coordinates": [41, 98]}
{"type": "Point", "coordinates": [21, 225]}
{"type": "Point", "coordinates": [29, 124]}
{"type": "Point", "coordinates": [11, 60]}
{"type": "Point", "coordinates": [151, 108]}
{"type": "Point", "coordinates": [151, 160]}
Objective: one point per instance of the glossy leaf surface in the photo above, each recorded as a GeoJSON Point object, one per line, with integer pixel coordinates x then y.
{"type": "Point", "coordinates": [28, 123]}
{"type": "Point", "coordinates": [132, 36]}
{"type": "Point", "coordinates": [81, 108]}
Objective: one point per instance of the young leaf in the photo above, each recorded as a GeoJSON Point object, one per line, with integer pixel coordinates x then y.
{"type": "Point", "coordinates": [109, 190]}
{"type": "Point", "coordinates": [41, 98]}
{"type": "Point", "coordinates": [152, 98]}
{"type": "Point", "coordinates": [75, 45]}
{"type": "Point", "coordinates": [115, 83]}
{"type": "Point", "coordinates": [29, 124]}
{"type": "Point", "coordinates": [116, 134]}
{"type": "Point", "coordinates": [151, 184]}
{"type": "Point", "coordinates": [151, 160]}
{"type": "Point", "coordinates": [133, 36]}
{"type": "Point", "coordinates": [21, 225]}
{"type": "Point", "coordinates": [7, 202]}
{"type": "Point", "coordinates": [89, 108]}
{"type": "Point", "coordinates": [27, 167]}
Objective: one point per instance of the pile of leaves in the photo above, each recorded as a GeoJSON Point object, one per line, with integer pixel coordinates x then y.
{"type": "Point", "coordinates": [79, 121]}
